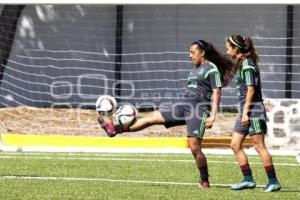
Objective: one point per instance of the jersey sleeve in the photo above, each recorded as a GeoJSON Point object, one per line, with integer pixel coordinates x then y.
{"type": "Point", "coordinates": [215, 80]}
{"type": "Point", "coordinates": [249, 76]}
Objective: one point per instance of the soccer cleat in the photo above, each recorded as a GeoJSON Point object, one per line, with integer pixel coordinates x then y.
{"type": "Point", "coordinates": [244, 185]}
{"type": "Point", "coordinates": [108, 127]}
{"type": "Point", "coordinates": [272, 187]}
{"type": "Point", "coordinates": [204, 185]}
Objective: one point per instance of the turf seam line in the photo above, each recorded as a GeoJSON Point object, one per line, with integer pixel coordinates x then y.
{"type": "Point", "coordinates": [111, 180]}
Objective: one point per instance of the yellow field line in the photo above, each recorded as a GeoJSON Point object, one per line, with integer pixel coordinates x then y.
{"type": "Point", "coordinates": [12, 139]}
{"type": "Point", "coordinates": [80, 141]}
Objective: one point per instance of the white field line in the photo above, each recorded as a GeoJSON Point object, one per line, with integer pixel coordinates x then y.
{"type": "Point", "coordinates": [252, 157]}
{"type": "Point", "coordinates": [133, 160]}
{"type": "Point", "coordinates": [207, 151]}
{"type": "Point", "coordinates": [108, 180]}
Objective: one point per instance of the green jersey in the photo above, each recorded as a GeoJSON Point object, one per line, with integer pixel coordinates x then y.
{"type": "Point", "coordinates": [201, 82]}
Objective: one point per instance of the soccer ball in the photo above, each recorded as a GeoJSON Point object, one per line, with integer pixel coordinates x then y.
{"type": "Point", "coordinates": [106, 105]}
{"type": "Point", "coordinates": [126, 115]}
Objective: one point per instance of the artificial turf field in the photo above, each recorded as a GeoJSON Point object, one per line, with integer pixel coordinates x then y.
{"type": "Point", "coordinates": [134, 176]}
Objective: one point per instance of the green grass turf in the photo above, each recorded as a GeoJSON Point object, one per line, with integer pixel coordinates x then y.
{"type": "Point", "coordinates": [104, 169]}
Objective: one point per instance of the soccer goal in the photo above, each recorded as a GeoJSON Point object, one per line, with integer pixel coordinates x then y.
{"type": "Point", "coordinates": [57, 59]}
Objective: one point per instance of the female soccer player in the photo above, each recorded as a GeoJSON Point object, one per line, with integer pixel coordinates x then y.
{"type": "Point", "coordinates": [252, 115]}
{"type": "Point", "coordinates": [199, 106]}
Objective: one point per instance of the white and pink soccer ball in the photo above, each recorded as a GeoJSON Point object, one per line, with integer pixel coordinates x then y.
{"type": "Point", "coordinates": [106, 105]}
{"type": "Point", "coordinates": [125, 115]}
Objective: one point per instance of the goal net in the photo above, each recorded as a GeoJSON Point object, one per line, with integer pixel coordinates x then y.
{"type": "Point", "coordinates": [64, 56]}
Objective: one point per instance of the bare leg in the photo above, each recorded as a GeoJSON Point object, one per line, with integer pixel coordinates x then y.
{"type": "Point", "coordinates": [152, 118]}
{"type": "Point", "coordinates": [260, 147]}
{"type": "Point", "coordinates": [236, 146]}
{"type": "Point", "coordinates": [201, 162]}
{"type": "Point", "coordinates": [266, 158]}
{"type": "Point", "coordinates": [112, 130]}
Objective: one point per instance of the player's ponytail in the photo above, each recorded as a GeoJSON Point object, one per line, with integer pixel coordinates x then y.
{"type": "Point", "coordinates": [245, 46]}
{"type": "Point", "coordinates": [250, 50]}
{"type": "Point", "coordinates": [248, 44]}
{"type": "Point", "coordinates": [224, 64]}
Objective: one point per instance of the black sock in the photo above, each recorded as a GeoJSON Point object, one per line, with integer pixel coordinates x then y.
{"type": "Point", "coordinates": [270, 172]}
{"type": "Point", "coordinates": [120, 129]}
{"type": "Point", "coordinates": [246, 170]}
{"type": "Point", "coordinates": [203, 173]}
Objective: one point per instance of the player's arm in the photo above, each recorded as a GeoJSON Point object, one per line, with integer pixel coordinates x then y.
{"type": "Point", "coordinates": [216, 97]}
{"type": "Point", "coordinates": [250, 82]}
{"type": "Point", "coordinates": [216, 85]}
{"type": "Point", "coordinates": [246, 109]}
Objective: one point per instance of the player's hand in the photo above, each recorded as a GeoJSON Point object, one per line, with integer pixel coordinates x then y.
{"type": "Point", "coordinates": [209, 121]}
{"type": "Point", "coordinates": [245, 121]}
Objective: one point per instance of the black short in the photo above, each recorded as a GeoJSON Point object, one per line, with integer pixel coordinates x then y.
{"type": "Point", "coordinates": [186, 113]}
{"type": "Point", "coordinates": [257, 117]}
{"type": "Point", "coordinates": [257, 125]}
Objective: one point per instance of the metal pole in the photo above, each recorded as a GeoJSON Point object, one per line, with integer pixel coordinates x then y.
{"type": "Point", "coordinates": [118, 49]}
{"type": "Point", "coordinates": [289, 51]}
